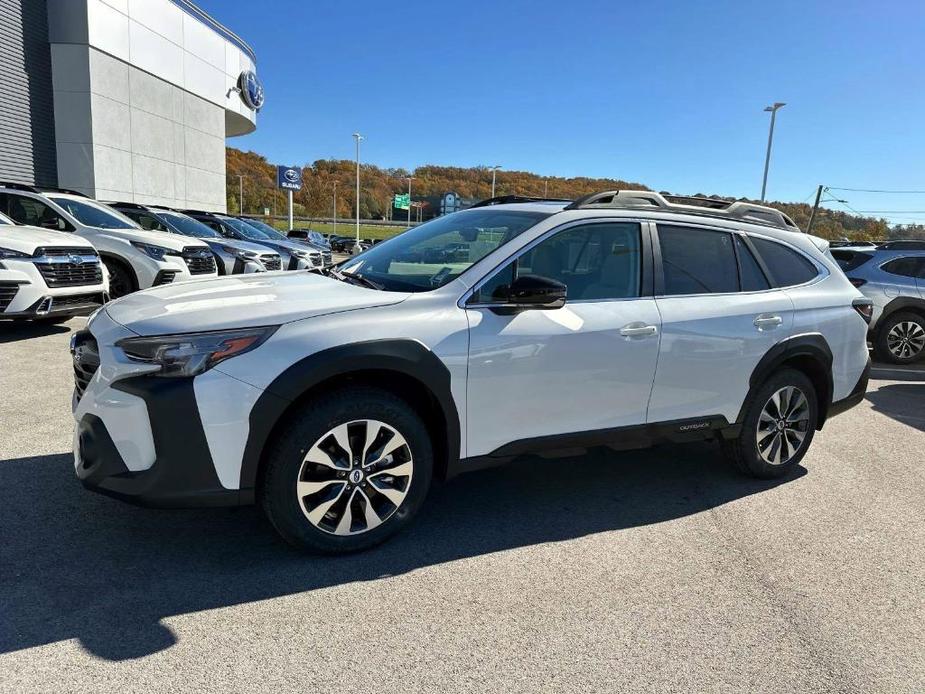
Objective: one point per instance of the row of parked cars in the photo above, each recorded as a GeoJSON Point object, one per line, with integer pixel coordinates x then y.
{"type": "Point", "coordinates": [63, 253]}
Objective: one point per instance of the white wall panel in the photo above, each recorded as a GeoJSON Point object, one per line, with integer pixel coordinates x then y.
{"type": "Point", "coordinates": [155, 54]}
{"type": "Point", "coordinates": [108, 29]}
{"type": "Point", "coordinates": [163, 18]}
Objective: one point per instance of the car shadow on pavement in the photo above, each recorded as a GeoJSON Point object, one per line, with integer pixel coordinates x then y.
{"type": "Point", "coordinates": [904, 402]}
{"type": "Point", "coordinates": [74, 564]}
{"type": "Point", "coordinates": [14, 332]}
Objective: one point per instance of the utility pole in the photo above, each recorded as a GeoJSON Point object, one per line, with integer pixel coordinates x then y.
{"type": "Point", "coordinates": [356, 247]}
{"type": "Point", "coordinates": [240, 194]}
{"type": "Point", "coordinates": [545, 187]}
{"type": "Point", "coordinates": [410, 178]}
{"type": "Point", "coordinates": [767, 157]}
{"type": "Point", "coordinates": [335, 208]}
{"type": "Point", "coordinates": [812, 216]}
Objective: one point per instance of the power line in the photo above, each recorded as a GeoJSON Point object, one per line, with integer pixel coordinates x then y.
{"type": "Point", "coordinates": [871, 190]}
{"type": "Point", "coordinates": [893, 211]}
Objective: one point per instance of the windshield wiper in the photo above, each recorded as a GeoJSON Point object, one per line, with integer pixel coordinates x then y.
{"type": "Point", "coordinates": [355, 278]}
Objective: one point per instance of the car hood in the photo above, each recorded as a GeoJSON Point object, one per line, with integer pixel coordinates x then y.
{"type": "Point", "coordinates": [239, 245]}
{"type": "Point", "coordinates": [26, 239]}
{"type": "Point", "coordinates": [165, 239]}
{"type": "Point", "coordinates": [241, 301]}
{"type": "Point", "coordinates": [290, 245]}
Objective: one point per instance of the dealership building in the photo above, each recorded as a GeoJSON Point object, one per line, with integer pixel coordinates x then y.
{"type": "Point", "coordinates": [123, 99]}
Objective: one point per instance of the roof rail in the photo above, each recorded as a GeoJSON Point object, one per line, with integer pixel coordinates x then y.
{"type": "Point", "coordinates": [709, 207]}
{"type": "Point", "coordinates": [66, 191]}
{"type": "Point", "coordinates": [510, 199]}
{"type": "Point", "coordinates": [127, 205]}
{"type": "Point", "coordinates": [18, 186]}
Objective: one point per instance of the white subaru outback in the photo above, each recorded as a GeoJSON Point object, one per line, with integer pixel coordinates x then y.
{"type": "Point", "coordinates": [515, 327]}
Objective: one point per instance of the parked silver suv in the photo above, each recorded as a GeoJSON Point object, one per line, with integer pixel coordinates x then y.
{"type": "Point", "coordinates": [894, 279]}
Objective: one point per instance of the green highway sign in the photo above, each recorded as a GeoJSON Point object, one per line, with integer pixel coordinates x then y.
{"type": "Point", "coordinates": [402, 201]}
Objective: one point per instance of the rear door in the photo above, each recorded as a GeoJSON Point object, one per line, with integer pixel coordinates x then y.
{"type": "Point", "coordinates": [720, 315]}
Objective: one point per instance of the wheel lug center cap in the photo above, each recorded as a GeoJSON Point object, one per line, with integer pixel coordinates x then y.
{"type": "Point", "coordinates": [356, 476]}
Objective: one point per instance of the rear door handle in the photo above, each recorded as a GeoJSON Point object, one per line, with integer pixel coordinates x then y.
{"type": "Point", "coordinates": [638, 330]}
{"type": "Point", "coordinates": [767, 322]}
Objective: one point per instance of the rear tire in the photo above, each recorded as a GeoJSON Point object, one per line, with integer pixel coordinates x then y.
{"type": "Point", "coordinates": [349, 470]}
{"type": "Point", "coordinates": [778, 427]}
{"type": "Point", "coordinates": [900, 338]}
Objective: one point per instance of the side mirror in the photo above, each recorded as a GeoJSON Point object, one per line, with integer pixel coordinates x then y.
{"type": "Point", "coordinates": [531, 292]}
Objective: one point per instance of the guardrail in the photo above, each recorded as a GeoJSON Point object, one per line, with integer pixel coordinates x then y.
{"type": "Point", "coordinates": [223, 31]}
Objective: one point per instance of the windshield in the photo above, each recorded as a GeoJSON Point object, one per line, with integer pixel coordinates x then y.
{"type": "Point", "coordinates": [92, 215]}
{"type": "Point", "coordinates": [188, 225]}
{"type": "Point", "coordinates": [267, 229]}
{"type": "Point", "coordinates": [246, 230]}
{"type": "Point", "coordinates": [437, 252]}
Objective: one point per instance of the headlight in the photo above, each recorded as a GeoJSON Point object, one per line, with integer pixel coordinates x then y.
{"type": "Point", "coordinates": [298, 253]}
{"type": "Point", "coordinates": [238, 253]}
{"type": "Point", "coordinates": [155, 252]}
{"type": "Point", "coordinates": [8, 253]}
{"type": "Point", "coordinates": [193, 353]}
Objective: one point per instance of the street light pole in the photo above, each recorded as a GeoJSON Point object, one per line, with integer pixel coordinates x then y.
{"type": "Point", "coordinates": [772, 109]}
{"type": "Point", "coordinates": [358, 137]}
{"type": "Point", "coordinates": [410, 178]}
{"type": "Point", "coordinates": [335, 208]}
{"type": "Point", "coordinates": [240, 194]}
{"type": "Point", "coordinates": [494, 170]}
{"type": "Point", "coordinates": [545, 187]}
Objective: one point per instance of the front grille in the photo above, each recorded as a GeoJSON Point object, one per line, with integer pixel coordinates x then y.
{"type": "Point", "coordinates": [58, 251]}
{"type": "Point", "coordinates": [71, 274]}
{"type": "Point", "coordinates": [59, 302]}
{"type": "Point", "coordinates": [200, 261]}
{"type": "Point", "coordinates": [86, 359]}
{"type": "Point", "coordinates": [7, 294]}
{"type": "Point", "coordinates": [271, 262]}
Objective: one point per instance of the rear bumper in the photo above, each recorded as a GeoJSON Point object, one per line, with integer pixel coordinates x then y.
{"type": "Point", "coordinates": [856, 396]}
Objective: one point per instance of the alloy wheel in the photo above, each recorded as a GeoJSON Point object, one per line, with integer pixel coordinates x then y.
{"type": "Point", "coordinates": [906, 339]}
{"type": "Point", "coordinates": [355, 477]}
{"type": "Point", "coordinates": [783, 425]}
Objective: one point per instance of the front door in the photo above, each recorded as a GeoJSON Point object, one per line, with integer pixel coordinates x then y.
{"type": "Point", "coordinates": [584, 367]}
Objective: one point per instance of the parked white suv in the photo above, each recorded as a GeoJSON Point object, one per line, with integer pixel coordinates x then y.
{"type": "Point", "coordinates": [48, 276]}
{"type": "Point", "coordinates": [514, 327]}
{"type": "Point", "coordinates": [135, 258]}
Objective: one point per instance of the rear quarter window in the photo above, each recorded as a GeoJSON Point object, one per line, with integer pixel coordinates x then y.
{"type": "Point", "coordinates": [787, 267]}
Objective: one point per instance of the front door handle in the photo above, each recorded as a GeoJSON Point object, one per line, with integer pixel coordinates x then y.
{"type": "Point", "coordinates": [767, 322]}
{"type": "Point", "coordinates": [638, 330]}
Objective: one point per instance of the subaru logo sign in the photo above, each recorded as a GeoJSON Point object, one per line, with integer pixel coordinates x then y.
{"type": "Point", "coordinates": [289, 177]}
{"type": "Point", "coordinates": [251, 90]}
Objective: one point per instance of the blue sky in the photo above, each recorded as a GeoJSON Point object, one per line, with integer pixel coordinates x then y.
{"type": "Point", "coordinates": [667, 94]}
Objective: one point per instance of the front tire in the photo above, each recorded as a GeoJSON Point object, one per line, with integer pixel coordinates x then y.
{"type": "Point", "coordinates": [778, 427]}
{"type": "Point", "coordinates": [900, 338]}
{"type": "Point", "coordinates": [348, 471]}
{"type": "Point", "coordinates": [121, 281]}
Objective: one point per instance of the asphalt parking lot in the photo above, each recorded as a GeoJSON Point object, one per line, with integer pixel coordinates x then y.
{"type": "Point", "coordinates": [651, 571]}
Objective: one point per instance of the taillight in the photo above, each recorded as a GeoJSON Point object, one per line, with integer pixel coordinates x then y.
{"type": "Point", "coordinates": [857, 282]}
{"type": "Point", "coordinates": [865, 309]}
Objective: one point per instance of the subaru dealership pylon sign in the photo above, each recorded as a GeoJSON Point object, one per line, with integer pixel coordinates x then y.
{"type": "Point", "coordinates": [289, 177]}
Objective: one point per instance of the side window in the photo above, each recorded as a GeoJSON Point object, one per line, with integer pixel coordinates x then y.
{"type": "Point", "coordinates": [25, 210]}
{"type": "Point", "coordinates": [787, 267]}
{"type": "Point", "coordinates": [907, 267]}
{"type": "Point", "coordinates": [595, 261]}
{"type": "Point", "coordinates": [751, 276]}
{"type": "Point", "coordinates": [697, 261]}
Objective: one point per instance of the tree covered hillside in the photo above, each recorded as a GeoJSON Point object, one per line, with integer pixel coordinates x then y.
{"type": "Point", "coordinates": [378, 185]}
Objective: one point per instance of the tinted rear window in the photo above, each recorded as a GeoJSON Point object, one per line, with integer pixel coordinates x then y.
{"type": "Point", "coordinates": [905, 267]}
{"type": "Point", "coordinates": [697, 261]}
{"type": "Point", "coordinates": [787, 267]}
{"type": "Point", "coordinates": [850, 260]}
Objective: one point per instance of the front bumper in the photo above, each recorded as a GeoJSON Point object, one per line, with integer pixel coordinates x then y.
{"type": "Point", "coordinates": [25, 294]}
{"type": "Point", "coordinates": [152, 441]}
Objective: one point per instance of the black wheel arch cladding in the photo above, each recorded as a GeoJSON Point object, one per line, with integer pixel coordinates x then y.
{"type": "Point", "coordinates": [798, 351]}
{"type": "Point", "coordinates": [405, 357]}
